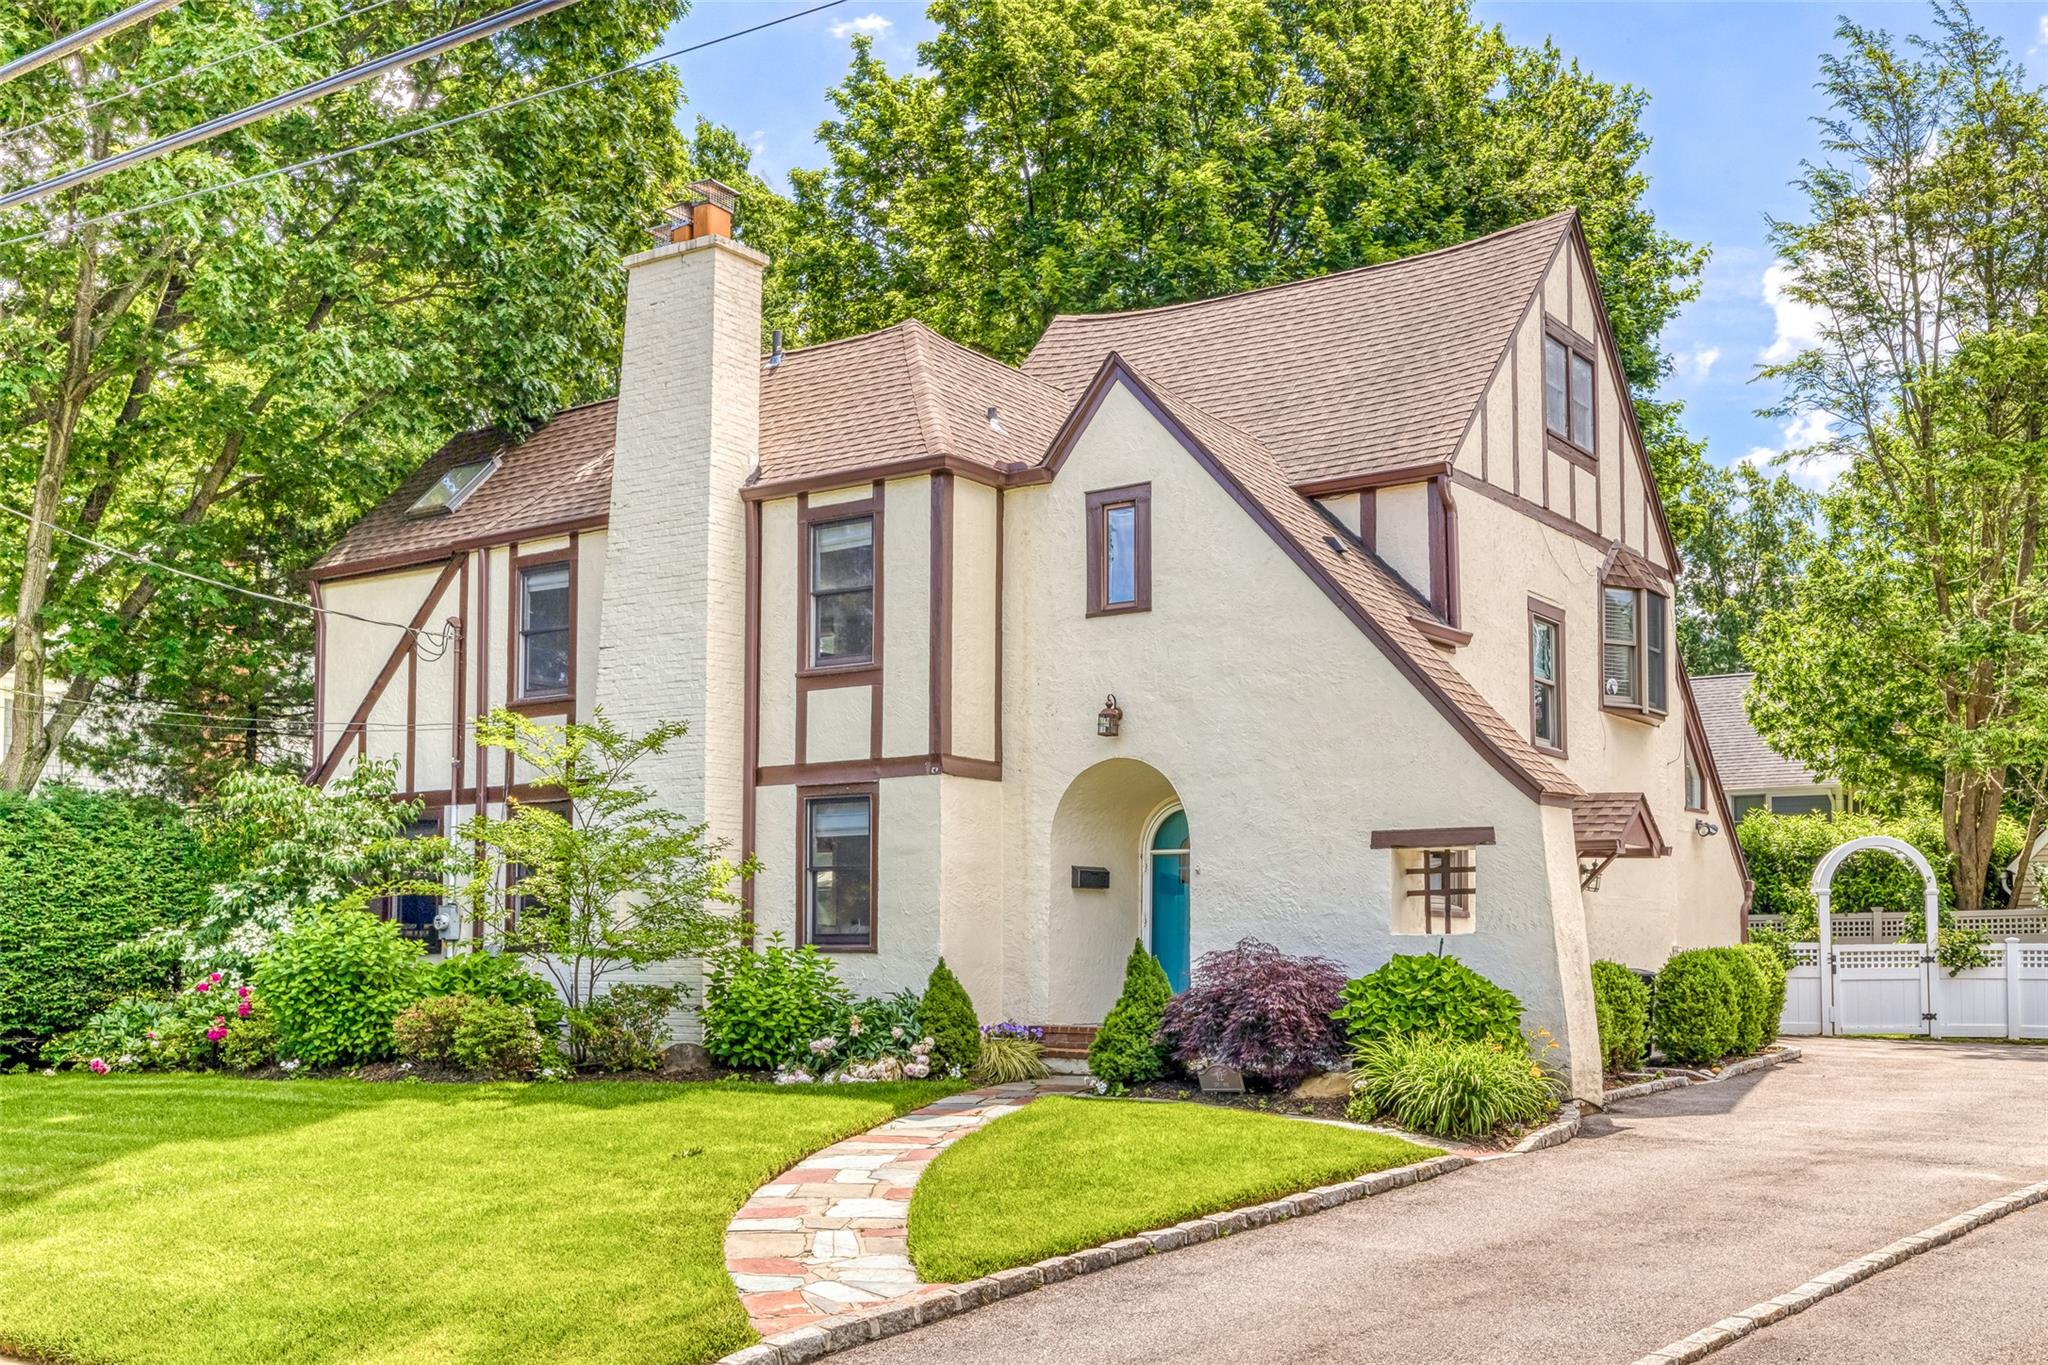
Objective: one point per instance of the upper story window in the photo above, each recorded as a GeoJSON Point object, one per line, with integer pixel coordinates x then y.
{"type": "Point", "coordinates": [1120, 550]}
{"type": "Point", "coordinates": [1546, 676]}
{"type": "Point", "coordinates": [1695, 777]}
{"type": "Point", "coordinates": [1635, 631]}
{"type": "Point", "coordinates": [545, 627]}
{"type": "Point", "coordinates": [839, 870]}
{"type": "Point", "coordinates": [842, 566]}
{"type": "Point", "coordinates": [1568, 392]}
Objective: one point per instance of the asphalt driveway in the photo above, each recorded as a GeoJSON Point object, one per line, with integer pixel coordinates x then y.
{"type": "Point", "coordinates": [1668, 1213]}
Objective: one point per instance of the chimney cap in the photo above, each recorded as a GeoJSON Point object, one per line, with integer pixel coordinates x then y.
{"type": "Point", "coordinates": [714, 192]}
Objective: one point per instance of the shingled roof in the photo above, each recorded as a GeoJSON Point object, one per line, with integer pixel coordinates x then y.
{"type": "Point", "coordinates": [1746, 763]}
{"type": "Point", "coordinates": [1375, 368]}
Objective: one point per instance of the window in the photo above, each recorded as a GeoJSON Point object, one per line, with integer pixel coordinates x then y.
{"type": "Point", "coordinates": [448, 492]}
{"type": "Point", "coordinates": [1635, 672]}
{"type": "Point", "coordinates": [544, 631]}
{"type": "Point", "coordinates": [1739, 806]}
{"type": "Point", "coordinates": [1695, 779]}
{"type": "Point", "coordinates": [515, 873]}
{"type": "Point", "coordinates": [1120, 550]}
{"type": "Point", "coordinates": [839, 871]}
{"type": "Point", "coordinates": [1568, 393]}
{"type": "Point", "coordinates": [843, 592]}
{"type": "Point", "coordinates": [414, 912]}
{"type": "Point", "coordinates": [1436, 891]}
{"type": "Point", "coordinates": [1546, 676]}
{"type": "Point", "coordinates": [1820, 804]}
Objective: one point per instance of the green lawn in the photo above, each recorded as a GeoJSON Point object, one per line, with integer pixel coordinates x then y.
{"type": "Point", "coordinates": [183, 1219]}
{"type": "Point", "coordinates": [1064, 1174]}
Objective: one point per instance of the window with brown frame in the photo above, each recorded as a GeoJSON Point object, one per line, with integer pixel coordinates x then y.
{"type": "Point", "coordinates": [1437, 891]}
{"type": "Point", "coordinates": [414, 911]}
{"type": "Point", "coordinates": [545, 623]}
{"type": "Point", "coordinates": [1695, 776]}
{"type": "Point", "coordinates": [1568, 392]}
{"type": "Point", "coordinates": [1635, 666]}
{"type": "Point", "coordinates": [1120, 550]}
{"type": "Point", "coordinates": [1546, 677]}
{"type": "Point", "coordinates": [842, 592]}
{"type": "Point", "coordinates": [839, 870]}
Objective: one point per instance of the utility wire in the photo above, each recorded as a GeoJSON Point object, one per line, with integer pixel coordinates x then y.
{"type": "Point", "coordinates": [439, 639]}
{"type": "Point", "coordinates": [131, 91]}
{"type": "Point", "coordinates": [290, 99]}
{"type": "Point", "coordinates": [85, 37]}
{"type": "Point", "coordinates": [325, 157]}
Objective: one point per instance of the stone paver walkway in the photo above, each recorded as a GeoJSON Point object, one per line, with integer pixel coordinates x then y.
{"type": "Point", "coordinates": [829, 1237]}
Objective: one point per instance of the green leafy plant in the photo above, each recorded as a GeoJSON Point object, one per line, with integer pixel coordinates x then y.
{"type": "Point", "coordinates": [1774, 971]}
{"type": "Point", "coordinates": [1754, 1021]}
{"type": "Point", "coordinates": [499, 976]}
{"type": "Point", "coordinates": [129, 1028]}
{"type": "Point", "coordinates": [624, 1029]}
{"type": "Point", "coordinates": [1959, 949]}
{"type": "Point", "coordinates": [763, 1009]}
{"type": "Point", "coordinates": [947, 1016]}
{"type": "Point", "coordinates": [424, 1031]}
{"type": "Point", "coordinates": [1622, 1003]}
{"type": "Point", "coordinates": [1011, 1052]}
{"type": "Point", "coordinates": [1697, 1017]}
{"type": "Point", "coordinates": [335, 981]}
{"type": "Point", "coordinates": [1428, 994]}
{"type": "Point", "coordinates": [251, 1040]}
{"type": "Point", "coordinates": [493, 1038]}
{"type": "Point", "coordinates": [1450, 1087]}
{"type": "Point", "coordinates": [1126, 1050]}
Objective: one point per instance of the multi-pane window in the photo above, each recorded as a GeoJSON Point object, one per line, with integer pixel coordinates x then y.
{"type": "Point", "coordinates": [843, 592]}
{"type": "Point", "coordinates": [1618, 668]}
{"type": "Point", "coordinates": [1546, 681]}
{"type": "Point", "coordinates": [1568, 393]}
{"type": "Point", "coordinates": [1120, 550]}
{"type": "Point", "coordinates": [1635, 630]}
{"type": "Point", "coordinates": [1440, 888]}
{"type": "Point", "coordinates": [839, 871]}
{"type": "Point", "coordinates": [414, 910]}
{"type": "Point", "coordinates": [544, 630]}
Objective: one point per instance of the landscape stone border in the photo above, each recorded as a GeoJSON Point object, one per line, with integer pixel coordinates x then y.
{"type": "Point", "coordinates": [1736, 1326]}
{"type": "Point", "coordinates": [1678, 1079]}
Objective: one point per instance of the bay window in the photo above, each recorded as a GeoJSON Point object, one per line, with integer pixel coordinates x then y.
{"type": "Point", "coordinates": [1635, 668]}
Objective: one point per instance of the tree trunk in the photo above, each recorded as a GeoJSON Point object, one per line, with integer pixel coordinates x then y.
{"type": "Point", "coordinates": [1969, 815]}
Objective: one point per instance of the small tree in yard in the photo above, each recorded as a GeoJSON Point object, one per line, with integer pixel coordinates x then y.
{"type": "Point", "coordinates": [1126, 1049]}
{"type": "Point", "coordinates": [620, 884]}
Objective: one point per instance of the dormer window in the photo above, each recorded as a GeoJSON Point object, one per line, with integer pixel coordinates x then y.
{"type": "Point", "coordinates": [1568, 392]}
{"type": "Point", "coordinates": [452, 489]}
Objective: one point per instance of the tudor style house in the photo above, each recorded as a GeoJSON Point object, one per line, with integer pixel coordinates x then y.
{"type": "Point", "coordinates": [1335, 613]}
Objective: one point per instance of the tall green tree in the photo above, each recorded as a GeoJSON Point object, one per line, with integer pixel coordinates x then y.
{"type": "Point", "coordinates": [1747, 548]}
{"type": "Point", "coordinates": [226, 383]}
{"type": "Point", "coordinates": [1914, 658]}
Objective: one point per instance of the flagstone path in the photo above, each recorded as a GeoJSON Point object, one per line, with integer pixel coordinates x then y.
{"type": "Point", "coordinates": [830, 1236]}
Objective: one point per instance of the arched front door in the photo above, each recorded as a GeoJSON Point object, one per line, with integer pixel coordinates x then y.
{"type": "Point", "coordinates": [1167, 895]}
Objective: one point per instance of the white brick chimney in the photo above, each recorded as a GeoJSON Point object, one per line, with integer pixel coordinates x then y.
{"type": "Point", "coordinates": [673, 626]}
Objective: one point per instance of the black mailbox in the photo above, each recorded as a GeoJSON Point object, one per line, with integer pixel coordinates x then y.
{"type": "Point", "coordinates": [1091, 879]}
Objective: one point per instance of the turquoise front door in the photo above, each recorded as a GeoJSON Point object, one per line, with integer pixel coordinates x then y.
{"type": "Point", "coordinates": [1169, 859]}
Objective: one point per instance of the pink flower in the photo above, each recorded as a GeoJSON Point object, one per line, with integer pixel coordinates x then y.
{"type": "Point", "coordinates": [214, 977]}
{"type": "Point", "coordinates": [97, 1067]}
{"type": "Point", "coordinates": [242, 991]}
{"type": "Point", "coordinates": [243, 1009]}
{"type": "Point", "coordinates": [219, 1019]}
{"type": "Point", "coordinates": [151, 1033]}
{"type": "Point", "coordinates": [203, 987]}
{"type": "Point", "coordinates": [214, 1035]}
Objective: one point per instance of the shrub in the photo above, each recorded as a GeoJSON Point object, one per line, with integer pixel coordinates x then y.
{"type": "Point", "coordinates": [1959, 949]}
{"type": "Point", "coordinates": [1768, 962]}
{"type": "Point", "coordinates": [1428, 994]}
{"type": "Point", "coordinates": [499, 976]}
{"type": "Point", "coordinates": [1449, 1087]}
{"type": "Point", "coordinates": [335, 981]}
{"type": "Point", "coordinates": [1622, 1002]}
{"type": "Point", "coordinates": [1126, 1049]}
{"type": "Point", "coordinates": [1696, 1012]}
{"type": "Point", "coordinates": [1753, 1021]}
{"type": "Point", "coordinates": [424, 1031]}
{"type": "Point", "coordinates": [251, 1040]}
{"type": "Point", "coordinates": [127, 1032]}
{"type": "Point", "coordinates": [1011, 1052]}
{"type": "Point", "coordinates": [496, 1039]}
{"type": "Point", "coordinates": [762, 1009]}
{"type": "Point", "coordinates": [1256, 1008]}
{"type": "Point", "coordinates": [947, 1017]}
{"type": "Point", "coordinates": [83, 876]}
{"type": "Point", "coordinates": [624, 1029]}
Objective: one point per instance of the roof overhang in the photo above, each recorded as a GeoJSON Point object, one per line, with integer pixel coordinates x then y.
{"type": "Point", "coordinates": [1616, 825]}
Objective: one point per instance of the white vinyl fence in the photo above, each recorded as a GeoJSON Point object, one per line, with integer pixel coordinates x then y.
{"type": "Point", "coordinates": [1897, 988]}
{"type": "Point", "coordinates": [1888, 926]}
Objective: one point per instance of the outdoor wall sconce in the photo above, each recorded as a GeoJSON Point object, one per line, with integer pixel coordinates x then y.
{"type": "Point", "coordinates": [1109, 720]}
{"type": "Point", "coordinates": [1706, 829]}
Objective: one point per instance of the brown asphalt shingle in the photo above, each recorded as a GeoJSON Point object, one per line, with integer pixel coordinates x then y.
{"type": "Point", "coordinates": [1601, 820]}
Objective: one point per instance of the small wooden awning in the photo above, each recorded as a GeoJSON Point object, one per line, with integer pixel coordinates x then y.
{"type": "Point", "coordinates": [1627, 569]}
{"type": "Point", "coordinates": [1616, 825]}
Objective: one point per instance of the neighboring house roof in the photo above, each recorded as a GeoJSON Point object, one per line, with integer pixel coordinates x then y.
{"type": "Point", "coordinates": [901, 395]}
{"type": "Point", "coordinates": [1615, 825]}
{"type": "Point", "coordinates": [1746, 763]}
{"type": "Point", "coordinates": [1343, 375]}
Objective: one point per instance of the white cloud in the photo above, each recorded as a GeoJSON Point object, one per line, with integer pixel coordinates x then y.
{"type": "Point", "coordinates": [2040, 38]}
{"type": "Point", "coordinates": [1816, 471]}
{"type": "Point", "coordinates": [1698, 362]}
{"type": "Point", "coordinates": [1798, 324]}
{"type": "Point", "coordinates": [867, 23]}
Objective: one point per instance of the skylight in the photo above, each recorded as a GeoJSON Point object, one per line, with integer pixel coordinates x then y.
{"type": "Point", "coordinates": [451, 489]}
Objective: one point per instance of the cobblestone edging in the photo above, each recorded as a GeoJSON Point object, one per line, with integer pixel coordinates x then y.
{"type": "Point", "coordinates": [1556, 1133]}
{"type": "Point", "coordinates": [1678, 1080]}
{"type": "Point", "coordinates": [935, 1303]}
{"type": "Point", "coordinates": [1736, 1326]}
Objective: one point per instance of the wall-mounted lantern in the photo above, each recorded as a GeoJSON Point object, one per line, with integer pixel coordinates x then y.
{"type": "Point", "coordinates": [1109, 720]}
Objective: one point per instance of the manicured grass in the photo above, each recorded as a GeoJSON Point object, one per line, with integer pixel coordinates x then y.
{"type": "Point", "coordinates": [1064, 1174]}
{"type": "Point", "coordinates": [180, 1219]}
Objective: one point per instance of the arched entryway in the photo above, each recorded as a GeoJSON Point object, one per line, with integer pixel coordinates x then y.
{"type": "Point", "coordinates": [1877, 987]}
{"type": "Point", "coordinates": [1120, 873]}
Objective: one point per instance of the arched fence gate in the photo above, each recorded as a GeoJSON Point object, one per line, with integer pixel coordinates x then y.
{"type": "Point", "coordinates": [1836, 987]}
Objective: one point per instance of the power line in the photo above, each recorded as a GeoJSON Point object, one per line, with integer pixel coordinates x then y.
{"type": "Point", "coordinates": [290, 99]}
{"type": "Point", "coordinates": [325, 157]}
{"type": "Point", "coordinates": [439, 639]}
{"type": "Point", "coordinates": [182, 72]}
{"type": "Point", "coordinates": [85, 37]}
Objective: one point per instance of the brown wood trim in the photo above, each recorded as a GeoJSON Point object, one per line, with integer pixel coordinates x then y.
{"type": "Point", "coordinates": [1376, 478]}
{"type": "Point", "coordinates": [750, 727]}
{"type": "Point", "coordinates": [1001, 499]}
{"type": "Point", "coordinates": [1542, 514]}
{"type": "Point", "coordinates": [804, 796]}
{"type": "Point", "coordinates": [1579, 456]}
{"type": "Point", "coordinates": [1555, 615]}
{"type": "Point", "coordinates": [1139, 495]}
{"type": "Point", "coordinates": [434, 554]}
{"type": "Point", "coordinates": [526, 793]}
{"type": "Point", "coordinates": [939, 654]}
{"type": "Point", "coordinates": [461, 681]}
{"type": "Point", "coordinates": [412, 717]}
{"type": "Point", "coordinates": [1369, 520]}
{"type": "Point", "coordinates": [803, 624]}
{"type": "Point", "coordinates": [1449, 836]}
{"type": "Point", "coordinates": [1513, 360]}
{"type": "Point", "coordinates": [827, 680]}
{"type": "Point", "coordinates": [1016, 476]}
{"type": "Point", "coordinates": [1692, 757]}
{"type": "Point", "coordinates": [521, 564]}
{"type": "Point", "coordinates": [1558, 328]}
{"type": "Point", "coordinates": [319, 674]}
{"type": "Point", "coordinates": [1439, 633]}
{"type": "Point", "coordinates": [1624, 711]}
{"type": "Point", "coordinates": [407, 643]}
{"type": "Point", "coordinates": [876, 770]}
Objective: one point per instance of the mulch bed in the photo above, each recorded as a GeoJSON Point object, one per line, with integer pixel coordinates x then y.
{"type": "Point", "coordinates": [1265, 1102]}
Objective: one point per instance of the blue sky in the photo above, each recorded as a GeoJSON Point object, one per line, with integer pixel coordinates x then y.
{"type": "Point", "coordinates": [1732, 100]}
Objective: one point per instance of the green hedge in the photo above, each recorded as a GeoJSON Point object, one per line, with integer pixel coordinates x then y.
{"type": "Point", "coordinates": [1126, 1049]}
{"type": "Point", "coordinates": [82, 875]}
{"type": "Point", "coordinates": [1698, 1014]}
{"type": "Point", "coordinates": [1783, 850]}
{"type": "Point", "coordinates": [1621, 1003]}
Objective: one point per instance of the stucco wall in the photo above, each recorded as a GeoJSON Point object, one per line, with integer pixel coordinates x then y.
{"type": "Point", "coordinates": [906, 616]}
{"type": "Point", "coordinates": [1401, 532]}
{"type": "Point", "coordinates": [975, 614]}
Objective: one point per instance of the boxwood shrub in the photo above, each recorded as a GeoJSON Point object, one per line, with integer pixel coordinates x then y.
{"type": "Point", "coordinates": [1773, 968]}
{"type": "Point", "coordinates": [1126, 1050]}
{"type": "Point", "coordinates": [1622, 1003]}
{"type": "Point", "coordinates": [947, 1017]}
{"type": "Point", "coordinates": [1698, 1016]}
{"type": "Point", "coordinates": [1753, 1022]}
{"type": "Point", "coordinates": [1427, 994]}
